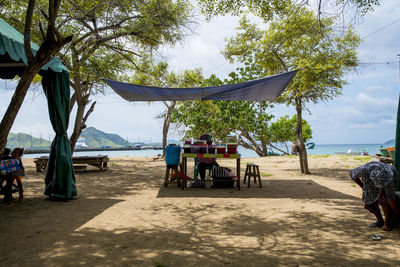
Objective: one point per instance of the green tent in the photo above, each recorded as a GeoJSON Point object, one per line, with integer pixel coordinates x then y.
{"type": "Point", "coordinates": [60, 177]}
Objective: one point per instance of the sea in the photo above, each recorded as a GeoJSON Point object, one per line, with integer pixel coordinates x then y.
{"type": "Point", "coordinates": [326, 149]}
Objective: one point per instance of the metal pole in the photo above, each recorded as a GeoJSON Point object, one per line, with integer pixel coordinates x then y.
{"type": "Point", "coordinates": [397, 144]}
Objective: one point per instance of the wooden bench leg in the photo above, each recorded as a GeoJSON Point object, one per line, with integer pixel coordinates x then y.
{"type": "Point", "coordinates": [259, 176]}
{"type": "Point", "coordinates": [166, 179]}
{"type": "Point", "coordinates": [246, 173]}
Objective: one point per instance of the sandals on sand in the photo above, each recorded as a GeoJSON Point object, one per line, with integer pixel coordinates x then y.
{"type": "Point", "coordinates": [376, 224]}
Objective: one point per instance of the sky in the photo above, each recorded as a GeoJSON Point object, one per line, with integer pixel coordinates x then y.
{"type": "Point", "coordinates": [364, 114]}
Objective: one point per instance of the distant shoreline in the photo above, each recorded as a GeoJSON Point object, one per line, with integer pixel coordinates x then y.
{"type": "Point", "coordinates": [47, 151]}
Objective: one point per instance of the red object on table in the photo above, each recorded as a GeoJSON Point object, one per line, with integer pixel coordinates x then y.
{"type": "Point", "coordinates": [232, 148]}
{"type": "Point", "coordinates": [220, 149]}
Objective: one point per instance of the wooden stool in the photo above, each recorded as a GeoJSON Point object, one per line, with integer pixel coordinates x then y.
{"type": "Point", "coordinates": [252, 170]}
{"type": "Point", "coordinates": [172, 169]}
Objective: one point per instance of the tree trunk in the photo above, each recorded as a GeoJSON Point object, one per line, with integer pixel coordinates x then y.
{"type": "Point", "coordinates": [299, 133]}
{"type": "Point", "coordinates": [251, 144]}
{"type": "Point", "coordinates": [78, 126]}
{"type": "Point", "coordinates": [16, 102]}
{"type": "Point", "coordinates": [167, 122]}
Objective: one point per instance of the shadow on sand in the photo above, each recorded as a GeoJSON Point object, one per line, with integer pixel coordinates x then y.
{"type": "Point", "coordinates": [306, 189]}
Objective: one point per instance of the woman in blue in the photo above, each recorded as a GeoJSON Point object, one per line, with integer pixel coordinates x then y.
{"type": "Point", "coordinates": [378, 182]}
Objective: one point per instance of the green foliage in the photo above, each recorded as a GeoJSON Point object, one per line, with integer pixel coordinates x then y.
{"type": "Point", "coordinates": [284, 129]}
{"type": "Point", "coordinates": [152, 74]}
{"type": "Point", "coordinates": [321, 156]}
{"type": "Point", "coordinates": [267, 9]}
{"type": "Point", "coordinates": [297, 41]}
{"type": "Point", "coordinates": [363, 159]}
{"type": "Point", "coordinates": [260, 8]}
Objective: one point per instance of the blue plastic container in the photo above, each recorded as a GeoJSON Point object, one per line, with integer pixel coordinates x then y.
{"type": "Point", "coordinates": [172, 155]}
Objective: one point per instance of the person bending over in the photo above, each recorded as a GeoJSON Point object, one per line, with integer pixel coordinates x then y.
{"type": "Point", "coordinates": [378, 181]}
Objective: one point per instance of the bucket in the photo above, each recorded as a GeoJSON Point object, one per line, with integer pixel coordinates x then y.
{"type": "Point", "coordinates": [187, 148]}
{"type": "Point", "coordinates": [232, 148]}
{"type": "Point", "coordinates": [220, 149]}
{"type": "Point", "coordinates": [172, 154]}
{"type": "Point", "coordinates": [194, 149]}
{"type": "Point", "coordinates": [202, 149]}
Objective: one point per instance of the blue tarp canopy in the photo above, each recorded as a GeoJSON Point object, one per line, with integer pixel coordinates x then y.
{"type": "Point", "coordinates": [263, 89]}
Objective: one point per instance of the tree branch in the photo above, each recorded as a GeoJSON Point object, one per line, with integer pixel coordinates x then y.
{"type": "Point", "coordinates": [91, 109]}
{"type": "Point", "coordinates": [27, 31]}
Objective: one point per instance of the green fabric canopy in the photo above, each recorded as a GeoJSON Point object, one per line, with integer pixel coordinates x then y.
{"type": "Point", "coordinates": [12, 47]}
{"type": "Point", "coordinates": [60, 177]}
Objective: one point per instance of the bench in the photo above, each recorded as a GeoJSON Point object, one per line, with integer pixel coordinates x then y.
{"type": "Point", "coordinates": [99, 161]}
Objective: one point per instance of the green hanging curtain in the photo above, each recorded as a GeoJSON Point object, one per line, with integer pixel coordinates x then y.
{"type": "Point", "coordinates": [60, 176]}
{"type": "Point", "coordinates": [397, 146]}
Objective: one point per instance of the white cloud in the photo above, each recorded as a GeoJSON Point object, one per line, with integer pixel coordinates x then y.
{"type": "Point", "coordinates": [378, 89]}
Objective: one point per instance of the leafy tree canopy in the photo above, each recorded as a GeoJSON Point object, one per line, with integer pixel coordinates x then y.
{"type": "Point", "coordinates": [266, 9]}
{"type": "Point", "coordinates": [299, 42]}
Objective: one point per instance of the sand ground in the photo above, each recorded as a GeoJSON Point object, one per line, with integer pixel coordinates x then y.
{"type": "Point", "coordinates": [124, 217]}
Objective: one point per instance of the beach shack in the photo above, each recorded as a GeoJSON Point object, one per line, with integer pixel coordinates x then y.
{"type": "Point", "coordinates": [60, 177]}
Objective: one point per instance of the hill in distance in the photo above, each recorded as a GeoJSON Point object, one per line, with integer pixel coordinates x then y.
{"type": "Point", "coordinates": [92, 136]}
{"type": "Point", "coordinates": [97, 138]}
{"type": "Point", "coordinates": [389, 143]}
{"type": "Point", "coordinates": [26, 140]}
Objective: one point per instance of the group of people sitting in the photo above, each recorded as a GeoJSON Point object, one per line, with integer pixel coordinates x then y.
{"type": "Point", "coordinates": [16, 175]}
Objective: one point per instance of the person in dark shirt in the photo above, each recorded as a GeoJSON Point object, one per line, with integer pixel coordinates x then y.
{"type": "Point", "coordinates": [204, 163]}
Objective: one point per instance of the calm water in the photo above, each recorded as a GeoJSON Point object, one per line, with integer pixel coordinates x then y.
{"type": "Point", "coordinates": [318, 150]}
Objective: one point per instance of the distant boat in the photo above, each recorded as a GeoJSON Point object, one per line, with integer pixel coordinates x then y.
{"type": "Point", "coordinates": [349, 152]}
{"type": "Point", "coordinates": [310, 145]}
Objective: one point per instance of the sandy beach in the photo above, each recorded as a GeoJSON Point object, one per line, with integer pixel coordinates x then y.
{"type": "Point", "coordinates": [125, 217]}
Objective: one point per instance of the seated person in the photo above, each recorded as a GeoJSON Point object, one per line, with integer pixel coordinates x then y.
{"type": "Point", "coordinates": [204, 163]}
{"type": "Point", "coordinates": [378, 181]}
{"type": "Point", "coordinates": [17, 154]}
{"type": "Point", "coordinates": [6, 154]}
{"type": "Point", "coordinates": [6, 190]}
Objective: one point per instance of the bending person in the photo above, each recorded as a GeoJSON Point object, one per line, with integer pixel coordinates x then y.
{"type": "Point", "coordinates": [378, 181]}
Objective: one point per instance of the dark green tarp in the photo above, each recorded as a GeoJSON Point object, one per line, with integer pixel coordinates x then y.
{"type": "Point", "coordinates": [397, 146]}
{"type": "Point", "coordinates": [60, 177]}
{"type": "Point", "coordinates": [12, 49]}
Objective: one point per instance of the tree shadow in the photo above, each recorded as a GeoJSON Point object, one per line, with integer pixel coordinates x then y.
{"type": "Point", "coordinates": [300, 238]}
{"type": "Point", "coordinates": [274, 188]}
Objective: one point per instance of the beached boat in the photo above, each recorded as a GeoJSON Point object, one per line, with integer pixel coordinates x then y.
{"type": "Point", "coordinates": [310, 145]}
